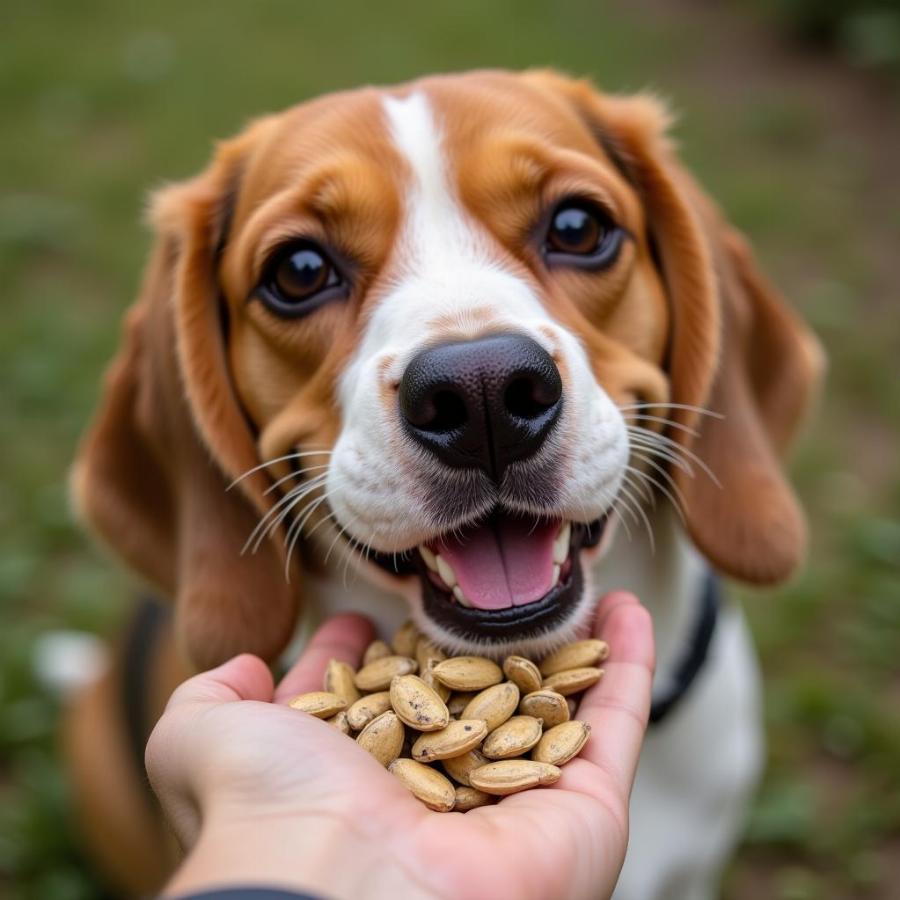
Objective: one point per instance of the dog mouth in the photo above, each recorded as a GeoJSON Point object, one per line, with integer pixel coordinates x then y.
{"type": "Point", "coordinates": [505, 577]}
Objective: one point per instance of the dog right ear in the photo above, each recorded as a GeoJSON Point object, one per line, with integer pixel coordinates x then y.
{"type": "Point", "coordinates": [152, 473]}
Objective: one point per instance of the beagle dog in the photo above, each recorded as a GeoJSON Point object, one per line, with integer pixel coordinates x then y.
{"type": "Point", "coordinates": [474, 350]}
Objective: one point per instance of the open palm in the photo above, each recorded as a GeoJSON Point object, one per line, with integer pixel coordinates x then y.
{"type": "Point", "coordinates": [225, 752]}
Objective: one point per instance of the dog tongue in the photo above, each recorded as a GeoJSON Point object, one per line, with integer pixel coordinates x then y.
{"type": "Point", "coordinates": [503, 561]}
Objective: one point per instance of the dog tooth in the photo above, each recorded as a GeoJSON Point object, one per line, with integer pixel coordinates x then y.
{"type": "Point", "coordinates": [446, 573]}
{"type": "Point", "coordinates": [429, 557]}
{"type": "Point", "coordinates": [555, 578]}
{"type": "Point", "coordinates": [561, 544]}
{"type": "Point", "coordinates": [461, 597]}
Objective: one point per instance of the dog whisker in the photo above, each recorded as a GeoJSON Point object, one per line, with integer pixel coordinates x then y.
{"type": "Point", "coordinates": [677, 448]}
{"type": "Point", "coordinates": [272, 462]}
{"type": "Point", "coordinates": [261, 526]}
{"type": "Point", "coordinates": [363, 555]}
{"type": "Point", "coordinates": [303, 516]}
{"type": "Point", "coordinates": [618, 514]}
{"type": "Point", "coordinates": [637, 505]}
{"type": "Point", "coordinates": [677, 504]}
{"type": "Point", "coordinates": [668, 422]}
{"type": "Point", "coordinates": [622, 500]}
{"type": "Point", "coordinates": [702, 410]}
{"type": "Point", "coordinates": [644, 491]}
{"type": "Point", "coordinates": [296, 529]}
{"type": "Point", "coordinates": [341, 531]}
{"type": "Point", "coordinates": [265, 527]}
{"type": "Point", "coordinates": [643, 456]}
{"type": "Point", "coordinates": [324, 520]}
{"type": "Point", "coordinates": [296, 495]}
{"type": "Point", "coordinates": [298, 474]}
{"type": "Point", "coordinates": [662, 453]}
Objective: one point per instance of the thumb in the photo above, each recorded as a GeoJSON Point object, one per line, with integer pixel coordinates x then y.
{"type": "Point", "coordinates": [244, 677]}
{"type": "Point", "coordinates": [176, 746]}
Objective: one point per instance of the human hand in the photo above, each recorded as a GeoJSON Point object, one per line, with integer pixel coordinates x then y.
{"type": "Point", "coordinates": [262, 794]}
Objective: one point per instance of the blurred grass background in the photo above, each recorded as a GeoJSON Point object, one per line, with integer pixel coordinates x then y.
{"type": "Point", "coordinates": [792, 125]}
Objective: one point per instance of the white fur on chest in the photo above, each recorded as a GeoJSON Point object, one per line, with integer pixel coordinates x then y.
{"type": "Point", "coordinates": [699, 768]}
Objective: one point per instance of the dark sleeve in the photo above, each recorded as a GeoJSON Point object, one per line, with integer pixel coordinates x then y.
{"type": "Point", "coordinates": [248, 893]}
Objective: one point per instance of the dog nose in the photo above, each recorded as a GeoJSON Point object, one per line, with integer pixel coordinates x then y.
{"type": "Point", "coordinates": [484, 403]}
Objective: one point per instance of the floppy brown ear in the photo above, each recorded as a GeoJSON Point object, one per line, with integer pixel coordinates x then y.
{"type": "Point", "coordinates": [735, 349]}
{"type": "Point", "coordinates": [751, 525]}
{"type": "Point", "coordinates": [169, 436]}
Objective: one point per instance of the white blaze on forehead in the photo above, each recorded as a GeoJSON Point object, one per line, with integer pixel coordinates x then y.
{"type": "Point", "coordinates": [436, 231]}
{"type": "Point", "coordinates": [445, 263]}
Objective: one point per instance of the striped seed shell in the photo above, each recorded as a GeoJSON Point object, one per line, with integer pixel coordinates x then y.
{"type": "Point", "coordinates": [513, 738]}
{"type": "Point", "coordinates": [561, 743]}
{"type": "Point", "coordinates": [459, 700]}
{"type": "Point", "coordinates": [470, 798]}
{"type": "Point", "coordinates": [577, 655]}
{"type": "Point", "coordinates": [459, 767]}
{"type": "Point", "coordinates": [457, 738]}
{"type": "Point", "coordinates": [376, 650]}
{"type": "Point", "coordinates": [512, 775]}
{"type": "Point", "coordinates": [383, 737]}
{"type": "Point", "coordinates": [523, 673]}
{"type": "Point", "coordinates": [367, 708]}
{"type": "Point", "coordinates": [339, 680]}
{"type": "Point", "coordinates": [418, 705]}
{"type": "Point", "coordinates": [340, 722]}
{"type": "Point", "coordinates": [572, 681]}
{"type": "Point", "coordinates": [468, 673]}
{"type": "Point", "coordinates": [547, 705]}
{"type": "Point", "coordinates": [432, 788]}
{"type": "Point", "coordinates": [441, 689]}
{"type": "Point", "coordinates": [494, 704]}
{"type": "Point", "coordinates": [377, 675]}
{"type": "Point", "coordinates": [321, 704]}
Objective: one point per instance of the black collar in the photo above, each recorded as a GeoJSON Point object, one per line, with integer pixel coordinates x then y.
{"type": "Point", "coordinates": [689, 666]}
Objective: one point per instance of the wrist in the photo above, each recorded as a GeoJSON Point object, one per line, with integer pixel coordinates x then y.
{"type": "Point", "coordinates": [320, 853]}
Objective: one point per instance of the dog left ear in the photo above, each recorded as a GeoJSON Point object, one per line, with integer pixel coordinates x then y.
{"type": "Point", "coordinates": [758, 382]}
{"type": "Point", "coordinates": [736, 349]}
{"type": "Point", "coordinates": [153, 472]}
{"type": "Point", "coordinates": [769, 367]}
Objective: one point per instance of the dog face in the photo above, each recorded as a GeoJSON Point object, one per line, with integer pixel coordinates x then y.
{"type": "Point", "coordinates": [450, 329]}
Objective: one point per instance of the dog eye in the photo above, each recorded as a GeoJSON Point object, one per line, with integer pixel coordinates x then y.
{"type": "Point", "coordinates": [298, 279]}
{"type": "Point", "coordinates": [582, 235]}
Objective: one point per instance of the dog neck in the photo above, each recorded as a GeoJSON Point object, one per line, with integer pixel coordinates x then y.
{"type": "Point", "coordinates": [667, 575]}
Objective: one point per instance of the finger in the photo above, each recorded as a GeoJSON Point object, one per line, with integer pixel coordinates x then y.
{"type": "Point", "coordinates": [618, 706]}
{"type": "Point", "coordinates": [244, 677]}
{"type": "Point", "coordinates": [342, 637]}
{"type": "Point", "coordinates": [607, 606]}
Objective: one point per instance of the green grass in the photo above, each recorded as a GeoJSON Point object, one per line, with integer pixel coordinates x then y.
{"type": "Point", "coordinates": [103, 100]}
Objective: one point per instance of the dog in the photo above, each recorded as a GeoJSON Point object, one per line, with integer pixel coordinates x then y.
{"type": "Point", "coordinates": [483, 342]}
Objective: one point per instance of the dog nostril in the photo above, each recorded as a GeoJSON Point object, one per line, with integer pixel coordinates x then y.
{"type": "Point", "coordinates": [526, 398]}
{"type": "Point", "coordinates": [449, 412]}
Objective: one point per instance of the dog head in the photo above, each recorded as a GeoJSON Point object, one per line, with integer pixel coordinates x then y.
{"type": "Point", "coordinates": [450, 329]}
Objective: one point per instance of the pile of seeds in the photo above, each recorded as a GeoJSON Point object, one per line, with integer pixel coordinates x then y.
{"type": "Point", "coordinates": [494, 730]}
